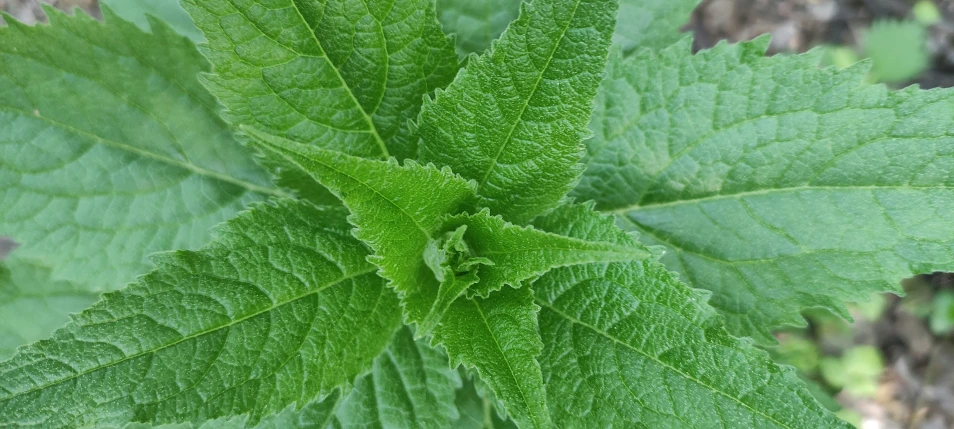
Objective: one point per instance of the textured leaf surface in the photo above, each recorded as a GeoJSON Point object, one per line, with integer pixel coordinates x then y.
{"type": "Point", "coordinates": [775, 184]}
{"type": "Point", "coordinates": [397, 210]}
{"type": "Point", "coordinates": [652, 24]}
{"type": "Point", "coordinates": [411, 385]}
{"type": "Point", "coordinates": [345, 75]}
{"type": "Point", "coordinates": [628, 345]}
{"type": "Point", "coordinates": [476, 409]}
{"type": "Point", "coordinates": [514, 117]}
{"type": "Point", "coordinates": [498, 337]}
{"type": "Point", "coordinates": [168, 11]}
{"type": "Point", "coordinates": [524, 253]}
{"type": "Point", "coordinates": [110, 149]}
{"type": "Point", "coordinates": [476, 23]}
{"type": "Point", "coordinates": [281, 308]}
{"type": "Point", "coordinates": [32, 305]}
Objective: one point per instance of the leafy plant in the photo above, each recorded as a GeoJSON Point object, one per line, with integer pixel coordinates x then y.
{"type": "Point", "coordinates": [410, 214]}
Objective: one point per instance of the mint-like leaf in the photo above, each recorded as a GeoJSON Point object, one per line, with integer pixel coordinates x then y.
{"type": "Point", "coordinates": [334, 73]}
{"type": "Point", "coordinates": [513, 119]}
{"type": "Point", "coordinates": [628, 345]}
{"type": "Point", "coordinates": [498, 337]}
{"type": "Point", "coordinates": [281, 308]}
{"type": "Point", "coordinates": [110, 149]}
{"type": "Point", "coordinates": [775, 184]}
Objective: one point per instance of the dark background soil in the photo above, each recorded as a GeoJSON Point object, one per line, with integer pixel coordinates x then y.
{"type": "Point", "coordinates": [916, 387]}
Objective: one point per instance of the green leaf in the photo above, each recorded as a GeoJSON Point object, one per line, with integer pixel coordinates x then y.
{"type": "Point", "coordinates": [498, 337]}
{"type": "Point", "coordinates": [476, 23]}
{"type": "Point", "coordinates": [476, 408]}
{"type": "Point", "coordinates": [411, 385]}
{"type": "Point", "coordinates": [169, 11]}
{"type": "Point", "coordinates": [652, 24]}
{"type": "Point", "coordinates": [521, 253]}
{"type": "Point", "coordinates": [341, 74]}
{"type": "Point", "coordinates": [775, 184]}
{"type": "Point", "coordinates": [32, 305]}
{"type": "Point", "coordinates": [110, 149]}
{"type": "Point", "coordinates": [628, 345]}
{"type": "Point", "coordinates": [397, 210]}
{"type": "Point", "coordinates": [514, 118]}
{"type": "Point", "coordinates": [280, 309]}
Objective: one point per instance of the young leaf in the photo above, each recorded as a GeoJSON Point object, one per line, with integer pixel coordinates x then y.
{"type": "Point", "coordinates": [280, 309]}
{"type": "Point", "coordinates": [397, 210]}
{"type": "Point", "coordinates": [775, 184]}
{"type": "Point", "coordinates": [32, 305]}
{"type": "Point", "coordinates": [514, 118]}
{"type": "Point", "coordinates": [341, 74]}
{"type": "Point", "coordinates": [411, 385]}
{"type": "Point", "coordinates": [167, 10]}
{"type": "Point", "coordinates": [498, 337]}
{"type": "Point", "coordinates": [523, 253]}
{"type": "Point", "coordinates": [628, 345]}
{"type": "Point", "coordinates": [652, 24]}
{"type": "Point", "coordinates": [476, 23]}
{"type": "Point", "coordinates": [110, 149]}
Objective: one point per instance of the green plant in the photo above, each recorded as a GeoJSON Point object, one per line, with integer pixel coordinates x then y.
{"type": "Point", "coordinates": [408, 215]}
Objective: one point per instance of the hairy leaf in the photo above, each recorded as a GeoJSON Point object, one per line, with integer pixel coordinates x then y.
{"type": "Point", "coordinates": [341, 74]}
{"type": "Point", "coordinates": [514, 117]}
{"type": "Point", "coordinates": [32, 305]}
{"type": "Point", "coordinates": [167, 10]}
{"type": "Point", "coordinates": [775, 184]}
{"type": "Point", "coordinates": [652, 24]}
{"type": "Point", "coordinates": [628, 345]}
{"type": "Point", "coordinates": [523, 253]}
{"type": "Point", "coordinates": [476, 23]}
{"type": "Point", "coordinates": [281, 308]}
{"type": "Point", "coordinates": [397, 210]}
{"type": "Point", "coordinates": [410, 386]}
{"type": "Point", "coordinates": [110, 149]}
{"type": "Point", "coordinates": [498, 337]}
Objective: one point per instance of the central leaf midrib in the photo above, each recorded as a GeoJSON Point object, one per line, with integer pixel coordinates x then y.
{"type": "Point", "coordinates": [533, 93]}
{"type": "Point", "coordinates": [768, 191]}
{"type": "Point", "coordinates": [344, 84]}
{"type": "Point", "coordinates": [601, 333]}
{"type": "Point", "coordinates": [192, 168]}
{"type": "Point", "coordinates": [513, 374]}
{"type": "Point", "coordinates": [210, 330]}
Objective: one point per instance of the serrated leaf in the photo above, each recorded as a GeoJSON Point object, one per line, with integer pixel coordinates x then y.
{"type": "Point", "coordinates": [498, 337]}
{"type": "Point", "coordinates": [776, 185]}
{"type": "Point", "coordinates": [476, 23]}
{"type": "Point", "coordinates": [110, 149]}
{"type": "Point", "coordinates": [32, 305]}
{"type": "Point", "coordinates": [513, 119]}
{"type": "Point", "coordinates": [281, 308]}
{"type": "Point", "coordinates": [628, 345]}
{"type": "Point", "coordinates": [651, 24]}
{"type": "Point", "coordinates": [339, 74]}
{"type": "Point", "coordinates": [169, 11]}
{"type": "Point", "coordinates": [411, 385]}
{"type": "Point", "coordinates": [397, 210]}
{"type": "Point", "coordinates": [522, 253]}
